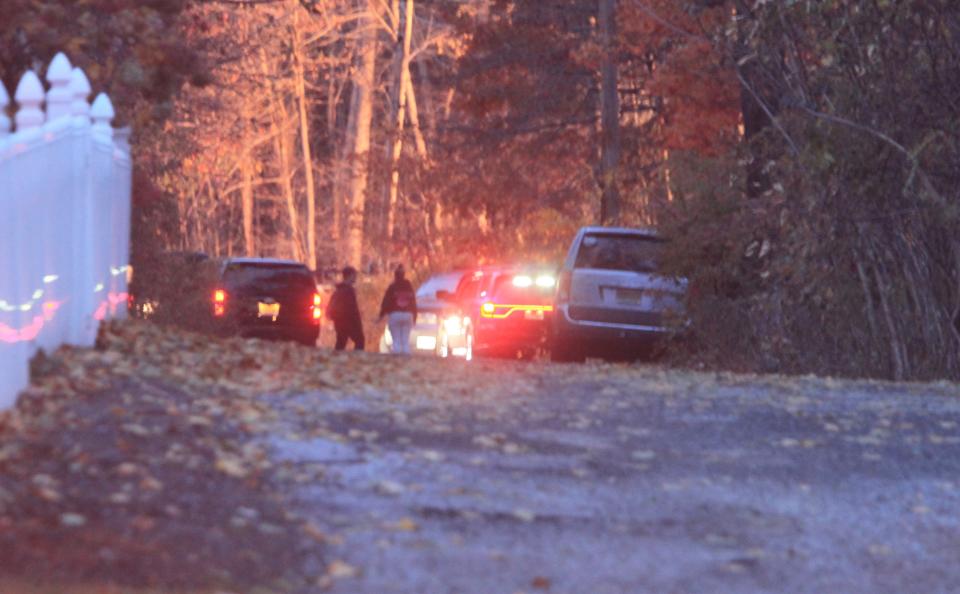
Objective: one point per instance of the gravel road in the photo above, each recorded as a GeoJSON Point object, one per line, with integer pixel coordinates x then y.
{"type": "Point", "coordinates": [612, 479]}
{"type": "Point", "coordinates": [166, 459]}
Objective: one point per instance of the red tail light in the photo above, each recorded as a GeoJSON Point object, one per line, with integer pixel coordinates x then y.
{"type": "Point", "coordinates": [317, 310]}
{"type": "Point", "coordinates": [563, 286]}
{"type": "Point", "coordinates": [219, 302]}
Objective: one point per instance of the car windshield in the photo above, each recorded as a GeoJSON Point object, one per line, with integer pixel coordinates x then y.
{"type": "Point", "coordinates": [438, 282]}
{"type": "Point", "coordinates": [520, 289]}
{"type": "Point", "coordinates": [267, 276]}
{"type": "Point", "coordinates": [619, 252]}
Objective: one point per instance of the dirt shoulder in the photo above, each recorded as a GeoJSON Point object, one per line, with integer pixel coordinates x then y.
{"type": "Point", "coordinates": [135, 464]}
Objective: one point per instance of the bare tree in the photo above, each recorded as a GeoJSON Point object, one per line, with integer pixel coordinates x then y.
{"type": "Point", "coordinates": [405, 33]}
{"type": "Point", "coordinates": [364, 81]}
{"type": "Point", "coordinates": [306, 153]}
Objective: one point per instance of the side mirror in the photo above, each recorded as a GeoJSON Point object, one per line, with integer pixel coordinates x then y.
{"type": "Point", "coordinates": [444, 295]}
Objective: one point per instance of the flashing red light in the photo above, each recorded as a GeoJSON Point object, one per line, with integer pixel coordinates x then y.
{"type": "Point", "coordinates": [219, 302]}
{"type": "Point", "coordinates": [317, 310]}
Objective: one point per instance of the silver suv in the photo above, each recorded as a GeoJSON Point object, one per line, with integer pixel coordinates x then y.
{"type": "Point", "coordinates": [610, 301]}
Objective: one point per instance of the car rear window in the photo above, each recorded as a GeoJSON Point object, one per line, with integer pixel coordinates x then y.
{"type": "Point", "coordinates": [506, 292]}
{"type": "Point", "coordinates": [619, 252]}
{"type": "Point", "coordinates": [265, 276]}
{"type": "Point", "coordinates": [439, 282]}
{"type": "Point", "coordinates": [469, 287]}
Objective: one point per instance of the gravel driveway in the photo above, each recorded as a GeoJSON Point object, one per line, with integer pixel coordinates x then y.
{"type": "Point", "coordinates": [167, 459]}
{"type": "Point", "coordinates": [606, 479]}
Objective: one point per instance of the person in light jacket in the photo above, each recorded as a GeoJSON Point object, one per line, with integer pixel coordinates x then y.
{"type": "Point", "coordinates": [400, 307]}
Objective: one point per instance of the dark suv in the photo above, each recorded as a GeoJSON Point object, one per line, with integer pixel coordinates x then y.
{"type": "Point", "coordinates": [267, 298]}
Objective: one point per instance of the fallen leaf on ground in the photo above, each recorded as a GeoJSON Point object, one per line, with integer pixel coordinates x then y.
{"type": "Point", "coordinates": [341, 569]}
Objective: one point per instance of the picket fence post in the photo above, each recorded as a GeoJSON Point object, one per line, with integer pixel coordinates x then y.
{"type": "Point", "coordinates": [80, 90]}
{"type": "Point", "coordinates": [29, 96]}
{"type": "Point", "coordinates": [102, 114]}
{"type": "Point", "coordinates": [65, 194]}
{"type": "Point", "coordinates": [59, 97]}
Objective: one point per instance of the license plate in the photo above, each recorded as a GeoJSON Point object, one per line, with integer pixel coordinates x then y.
{"type": "Point", "coordinates": [268, 310]}
{"type": "Point", "coordinates": [535, 314]}
{"type": "Point", "coordinates": [426, 343]}
{"type": "Point", "coordinates": [629, 296]}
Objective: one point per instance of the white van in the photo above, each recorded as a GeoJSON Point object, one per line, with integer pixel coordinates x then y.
{"type": "Point", "coordinates": [610, 301]}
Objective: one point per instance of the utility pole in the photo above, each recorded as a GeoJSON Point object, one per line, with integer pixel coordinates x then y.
{"type": "Point", "coordinates": [609, 116]}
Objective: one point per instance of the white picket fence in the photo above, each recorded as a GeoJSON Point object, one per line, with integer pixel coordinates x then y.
{"type": "Point", "coordinates": [65, 178]}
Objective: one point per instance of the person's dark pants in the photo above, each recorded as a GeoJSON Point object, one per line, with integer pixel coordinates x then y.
{"type": "Point", "coordinates": [345, 333]}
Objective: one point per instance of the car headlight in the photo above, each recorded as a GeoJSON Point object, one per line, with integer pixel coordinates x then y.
{"type": "Point", "coordinates": [453, 325]}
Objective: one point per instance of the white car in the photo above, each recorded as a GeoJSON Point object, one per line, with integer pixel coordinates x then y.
{"type": "Point", "coordinates": [611, 301]}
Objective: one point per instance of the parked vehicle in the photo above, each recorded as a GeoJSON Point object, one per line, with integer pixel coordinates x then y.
{"type": "Point", "coordinates": [267, 298]}
{"type": "Point", "coordinates": [439, 328]}
{"type": "Point", "coordinates": [610, 299]}
{"type": "Point", "coordinates": [505, 310]}
{"type": "Point", "coordinates": [171, 287]}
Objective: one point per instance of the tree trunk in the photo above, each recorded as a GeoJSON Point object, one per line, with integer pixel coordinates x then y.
{"type": "Point", "coordinates": [609, 116]}
{"type": "Point", "coordinates": [364, 84]}
{"type": "Point", "coordinates": [305, 139]}
{"type": "Point", "coordinates": [342, 175]}
{"type": "Point", "coordinates": [755, 119]}
{"type": "Point", "coordinates": [414, 114]}
{"type": "Point", "coordinates": [278, 125]}
{"type": "Point", "coordinates": [667, 179]}
{"type": "Point", "coordinates": [427, 94]}
{"type": "Point", "coordinates": [246, 194]}
{"type": "Point", "coordinates": [246, 187]}
{"type": "Point", "coordinates": [402, 83]}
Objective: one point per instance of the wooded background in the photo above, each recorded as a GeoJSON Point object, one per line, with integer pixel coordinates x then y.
{"type": "Point", "coordinates": [802, 156]}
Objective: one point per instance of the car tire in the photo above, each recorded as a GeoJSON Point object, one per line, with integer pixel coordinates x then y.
{"type": "Point", "coordinates": [468, 356]}
{"type": "Point", "coordinates": [306, 339]}
{"type": "Point", "coordinates": [443, 346]}
{"type": "Point", "coordinates": [563, 350]}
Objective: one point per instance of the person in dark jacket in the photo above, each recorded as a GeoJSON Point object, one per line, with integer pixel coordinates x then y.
{"type": "Point", "coordinates": [400, 307]}
{"type": "Point", "coordinates": [345, 313]}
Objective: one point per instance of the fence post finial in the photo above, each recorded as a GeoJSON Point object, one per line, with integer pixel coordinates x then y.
{"type": "Point", "coordinates": [29, 96]}
{"type": "Point", "coordinates": [59, 96]}
{"type": "Point", "coordinates": [4, 102]}
{"type": "Point", "coordinates": [102, 114]}
{"type": "Point", "coordinates": [80, 90]}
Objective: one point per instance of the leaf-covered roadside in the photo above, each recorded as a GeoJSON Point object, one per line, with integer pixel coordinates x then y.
{"type": "Point", "coordinates": [135, 463]}
{"type": "Point", "coordinates": [142, 462]}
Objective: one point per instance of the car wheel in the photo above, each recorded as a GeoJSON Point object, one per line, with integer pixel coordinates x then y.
{"type": "Point", "coordinates": [443, 346]}
{"type": "Point", "coordinates": [563, 350]}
